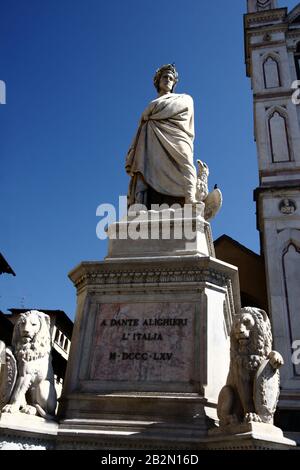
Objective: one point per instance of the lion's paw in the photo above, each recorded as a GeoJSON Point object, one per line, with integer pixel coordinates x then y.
{"type": "Point", "coordinates": [252, 418]}
{"type": "Point", "coordinates": [10, 409]}
{"type": "Point", "coordinates": [29, 410]}
{"type": "Point", "coordinates": [276, 359]}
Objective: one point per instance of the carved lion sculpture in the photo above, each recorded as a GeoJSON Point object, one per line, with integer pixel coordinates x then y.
{"type": "Point", "coordinates": [33, 392]}
{"type": "Point", "coordinates": [252, 389]}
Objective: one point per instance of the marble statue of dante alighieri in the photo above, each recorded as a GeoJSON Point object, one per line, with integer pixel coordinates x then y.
{"type": "Point", "coordinates": [161, 155]}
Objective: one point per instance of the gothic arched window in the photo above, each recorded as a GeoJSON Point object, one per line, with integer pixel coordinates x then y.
{"type": "Point", "coordinates": [271, 73]}
{"type": "Point", "coordinates": [279, 138]}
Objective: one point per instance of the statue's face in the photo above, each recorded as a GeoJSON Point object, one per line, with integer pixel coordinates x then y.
{"type": "Point", "coordinates": [29, 326]}
{"type": "Point", "coordinates": [167, 82]}
{"type": "Point", "coordinates": [243, 327]}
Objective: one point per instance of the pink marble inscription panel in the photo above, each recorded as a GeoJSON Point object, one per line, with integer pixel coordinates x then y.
{"type": "Point", "coordinates": [148, 342]}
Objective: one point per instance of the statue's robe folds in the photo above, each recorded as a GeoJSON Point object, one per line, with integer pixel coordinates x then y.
{"type": "Point", "coordinates": [162, 151]}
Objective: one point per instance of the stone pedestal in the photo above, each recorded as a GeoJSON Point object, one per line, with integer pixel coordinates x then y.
{"type": "Point", "coordinates": [161, 234]}
{"type": "Point", "coordinates": [150, 347]}
{"type": "Point", "coordinates": [249, 436]}
{"type": "Point", "coordinates": [20, 431]}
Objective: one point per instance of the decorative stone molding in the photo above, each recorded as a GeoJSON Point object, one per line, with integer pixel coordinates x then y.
{"type": "Point", "coordinates": [267, 95]}
{"type": "Point", "coordinates": [268, 16]}
{"type": "Point", "coordinates": [151, 276]}
{"type": "Point", "coordinates": [271, 29]}
{"type": "Point", "coordinates": [16, 445]}
{"type": "Point", "coordinates": [14, 439]}
{"type": "Point", "coordinates": [267, 37]}
{"type": "Point", "coordinates": [287, 206]}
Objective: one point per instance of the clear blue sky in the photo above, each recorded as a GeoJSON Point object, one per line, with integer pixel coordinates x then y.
{"type": "Point", "coordinates": [78, 76]}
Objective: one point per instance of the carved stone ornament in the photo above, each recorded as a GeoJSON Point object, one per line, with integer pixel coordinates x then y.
{"type": "Point", "coordinates": [287, 206]}
{"type": "Point", "coordinates": [263, 4]}
{"type": "Point", "coordinates": [15, 445]}
{"type": "Point", "coordinates": [267, 37]}
{"type": "Point", "coordinates": [27, 380]}
{"type": "Point", "coordinates": [8, 373]}
{"type": "Point", "coordinates": [252, 390]}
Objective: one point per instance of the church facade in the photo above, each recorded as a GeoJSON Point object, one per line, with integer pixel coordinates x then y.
{"type": "Point", "coordinates": [272, 49]}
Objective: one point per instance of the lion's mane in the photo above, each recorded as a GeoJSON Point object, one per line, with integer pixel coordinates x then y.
{"type": "Point", "coordinates": [40, 345]}
{"type": "Point", "coordinates": [260, 342]}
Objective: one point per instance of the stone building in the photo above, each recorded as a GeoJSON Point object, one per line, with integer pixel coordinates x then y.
{"type": "Point", "coordinates": [272, 48]}
{"type": "Point", "coordinates": [251, 266]}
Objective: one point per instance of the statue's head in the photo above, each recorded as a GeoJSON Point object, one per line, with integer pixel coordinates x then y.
{"type": "Point", "coordinates": [32, 327]}
{"type": "Point", "coordinates": [165, 69]}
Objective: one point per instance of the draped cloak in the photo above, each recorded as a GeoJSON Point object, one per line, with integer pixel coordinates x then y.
{"type": "Point", "coordinates": [162, 150]}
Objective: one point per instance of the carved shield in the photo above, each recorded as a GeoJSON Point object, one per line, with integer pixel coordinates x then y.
{"type": "Point", "coordinates": [213, 204]}
{"type": "Point", "coordinates": [2, 353]}
{"type": "Point", "coordinates": [8, 374]}
{"type": "Point", "coordinates": [266, 391]}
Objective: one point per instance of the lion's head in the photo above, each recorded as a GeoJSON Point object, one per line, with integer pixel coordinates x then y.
{"type": "Point", "coordinates": [251, 336]}
{"type": "Point", "coordinates": [31, 336]}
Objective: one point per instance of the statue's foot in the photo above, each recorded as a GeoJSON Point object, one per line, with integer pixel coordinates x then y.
{"type": "Point", "coordinates": [29, 410]}
{"type": "Point", "coordinates": [252, 418]}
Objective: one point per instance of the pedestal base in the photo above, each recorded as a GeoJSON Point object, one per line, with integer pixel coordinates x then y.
{"type": "Point", "coordinates": [151, 340]}
{"type": "Point", "coordinates": [252, 436]}
{"type": "Point", "coordinates": [19, 431]}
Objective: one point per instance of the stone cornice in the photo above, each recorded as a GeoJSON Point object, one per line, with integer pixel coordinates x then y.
{"type": "Point", "coordinates": [268, 16]}
{"type": "Point", "coordinates": [270, 95]}
{"type": "Point", "coordinates": [277, 28]}
{"type": "Point", "coordinates": [291, 34]}
{"type": "Point", "coordinates": [270, 44]}
{"type": "Point", "coordinates": [156, 274]}
{"type": "Point", "coordinates": [275, 189]}
{"type": "Point", "coordinates": [105, 277]}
